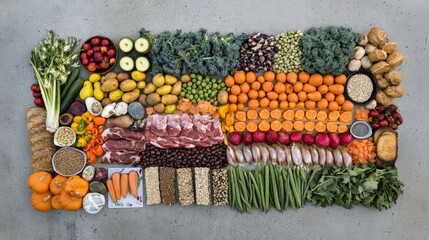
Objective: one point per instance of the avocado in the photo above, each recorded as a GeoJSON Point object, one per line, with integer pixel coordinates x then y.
{"type": "Point", "coordinates": [66, 119]}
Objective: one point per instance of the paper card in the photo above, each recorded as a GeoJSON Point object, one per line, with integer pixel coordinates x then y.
{"type": "Point", "coordinates": [129, 201]}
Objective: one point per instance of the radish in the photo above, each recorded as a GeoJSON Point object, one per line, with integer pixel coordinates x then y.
{"type": "Point", "coordinates": [296, 137]}
{"type": "Point", "coordinates": [308, 139]}
{"type": "Point", "coordinates": [322, 140]}
{"type": "Point", "coordinates": [334, 140]}
{"type": "Point", "coordinates": [271, 137]}
{"type": "Point", "coordinates": [284, 138]}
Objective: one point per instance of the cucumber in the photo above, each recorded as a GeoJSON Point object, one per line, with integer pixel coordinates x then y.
{"type": "Point", "coordinates": [72, 93]}
{"type": "Point", "coordinates": [74, 74]}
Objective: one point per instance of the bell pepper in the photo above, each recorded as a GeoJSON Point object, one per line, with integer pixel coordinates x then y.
{"type": "Point", "coordinates": [79, 127]}
{"type": "Point", "coordinates": [77, 119]}
{"type": "Point", "coordinates": [87, 117]}
{"type": "Point", "coordinates": [81, 142]}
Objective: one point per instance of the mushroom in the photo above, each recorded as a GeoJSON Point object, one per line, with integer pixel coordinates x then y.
{"type": "Point", "coordinates": [354, 65]}
{"type": "Point", "coordinates": [366, 63]}
{"type": "Point", "coordinates": [121, 109]}
{"type": "Point", "coordinates": [108, 110]}
{"type": "Point", "coordinates": [359, 52]}
{"type": "Point", "coordinates": [363, 39]}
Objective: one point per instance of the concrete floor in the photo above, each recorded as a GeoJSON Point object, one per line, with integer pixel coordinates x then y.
{"type": "Point", "coordinates": [23, 23]}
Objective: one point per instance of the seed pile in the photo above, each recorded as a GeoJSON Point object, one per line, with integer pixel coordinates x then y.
{"type": "Point", "coordinates": [202, 186]}
{"type": "Point", "coordinates": [167, 178]}
{"type": "Point", "coordinates": [64, 136]}
{"type": "Point", "coordinates": [257, 53]}
{"type": "Point", "coordinates": [211, 157]}
{"type": "Point", "coordinates": [68, 161]}
{"type": "Point", "coordinates": [288, 57]}
{"type": "Point", "coordinates": [152, 185]}
{"type": "Point", "coordinates": [220, 187]}
{"type": "Point", "coordinates": [359, 88]}
{"type": "Point", "coordinates": [185, 186]}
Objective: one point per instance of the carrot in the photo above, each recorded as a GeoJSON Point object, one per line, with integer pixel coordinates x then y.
{"type": "Point", "coordinates": [99, 121]}
{"type": "Point", "coordinates": [264, 114]}
{"type": "Point", "coordinates": [310, 114]}
{"type": "Point", "coordinates": [111, 189]}
{"type": "Point", "coordinates": [229, 119]}
{"type": "Point", "coordinates": [331, 127]}
{"type": "Point", "coordinates": [316, 79]}
{"type": "Point", "coordinates": [298, 125]}
{"type": "Point", "coordinates": [287, 126]}
{"type": "Point", "coordinates": [240, 116]}
{"type": "Point", "coordinates": [116, 185]}
{"type": "Point", "coordinates": [299, 114]}
{"type": "Point", "coordinates": [314, 96]}
{"type": "Point", "coordinates": [264, 126]}
{"type": "Point", "coordinates": [252, 114]}
{"type": "Point", "coordinates": [308, 88]}
{"type": "Point", "coordinates": [252, 127]}
{"type": "Point", "coordinates": [320, 127]}
{"type": "Point", "coordinates": [342, 128]}
{"type": "Point", "coordinates": [303, 77]}
{"type": "Point", "coordinates": [334, 115]}
{"type": "Point", "coordinates": [276, 114]}
{"type": "Point", "coordinates": [336, 89]}
{"type": "Point", "coordinates": [309, 126]}
{"type": "Point", "coordinates": [133, 180]}
{"type": "Point", "coordinates": [288, 115]}
{"type": "Point", "coordinates": [240, 126]}
{"type": "Point", "coordinates": [346, 117]}
{"type": "Point", "coordinates": [124, 185]}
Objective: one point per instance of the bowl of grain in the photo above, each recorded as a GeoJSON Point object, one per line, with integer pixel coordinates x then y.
{"type": "Point", "coordinates": [361, 87]}
{"type": "Point", "coordinates": [68, 161]}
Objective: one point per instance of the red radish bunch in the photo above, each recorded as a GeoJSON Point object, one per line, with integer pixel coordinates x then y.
{"type": "Point", "coordinates": [98, 54]}
{"type": "Point", "coordinates": [37, 94]}
{"type": "Point", "coordinates": [383, 116]}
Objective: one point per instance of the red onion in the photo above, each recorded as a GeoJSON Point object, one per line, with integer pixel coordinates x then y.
{"type": "Point", "coordinates": [235, 138]}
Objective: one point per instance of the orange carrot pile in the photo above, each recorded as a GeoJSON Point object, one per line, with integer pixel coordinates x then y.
{"type": "Point", "coordinates": [361, 114]}
{"type": "Point", "coordinates": [362, 151]}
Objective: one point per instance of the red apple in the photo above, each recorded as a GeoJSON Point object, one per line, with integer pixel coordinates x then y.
{"type": "Point", "coordinates": [96, 49]}
{"type": "Point", "coordinates": [86, 46]}
{"type": "Point", "coordinates": [95, 41]}
{"type": "Point", "coordinates": [83, 56]}
{"type": "Point", "coordinates": [90, 52]}
{"type": "Point", "coordinates": [105, 42]}
{"type": "Point", "coordinates": [111, 53]}
{"type": "Point", "coordinates": [98, 57]}
{"type": "Point", "coordinates": [91, 60]}
{"type": "Point", "coordinates": [92, 66]}
{"type": "Point", "coordinates": [85, 61]}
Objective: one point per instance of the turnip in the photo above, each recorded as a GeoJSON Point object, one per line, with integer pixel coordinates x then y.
{"type": "Point", "coordinates": [296, 137]}
{"type": "Point", "coordinates": [271, 137]}
{"type": "Point", "coordinates": [247, 138]}
{"type": "Point", "coordinates": [346, 138]}
{"type": "Point", "coordinates": [284, 138]}
{"type": "Point", "coordinates": [258, 137]}
{"type": "Point", "coordinates": [235, 138]}
{"type": "Point", "coordinates": [308, 139]}
{"type": "Point", "coordinates": [322, 140]}
{"type": "Point", "coordinates": [334, 140]}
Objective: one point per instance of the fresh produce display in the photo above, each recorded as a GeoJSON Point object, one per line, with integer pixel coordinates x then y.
{"type": "Point", "coordinates": [288, 57]}
{"type": "Point", "coordinates": [257, 53]}
{"type": "Point", "coordinates": [203, 88]}
{"type": "Point", "coordinates": [182, 53]}
{"type": "Point", "coordinates": [294, 124]}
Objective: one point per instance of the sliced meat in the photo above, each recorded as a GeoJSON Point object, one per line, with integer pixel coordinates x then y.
{"type": "Point", "coordinates": [124, 145]}
{"type": "Point", "coordinates": [158, 124]}
{"type": "Point", "coordinates": [186, 123]}
{"type": "Point", "coordinates": [121, 157]}
{"type": "Point", "coordinates": [173, 125]}
{"type": "Point", "coordinates": [122, 133]}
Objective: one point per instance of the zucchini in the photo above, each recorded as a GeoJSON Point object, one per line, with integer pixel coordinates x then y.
{"type": "Point", "coordinates": [72, 93]}
{"type": "Point", "coordinates": [74, 74]}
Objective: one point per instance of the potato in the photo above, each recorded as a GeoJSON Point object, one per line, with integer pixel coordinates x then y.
{"type": "Point", "coordinates": [153, 99]}
{"type": "Point", "coordinates": [164, 90]}
{"type": "Point", "coordinates": [158, 80]}
{"type": "Point", "coordinates": [106, 101]}
{"type": "Point", "coordinates": [136, 90]}
{"type": "Point", "coordinates": [169, 99]}
{"type": "Point", "coordinates": [124, 121]}
{"type": "Point", "coordinates": [141, 85]}
{"type": "Point", "coordinates": [123, 76]}
{"type": "Point", "coordinates": [159, 108]}
{"type": "Point", "coordinates": [177, 88]}
{"type": "Point", "coordinates": [129, 97]}
{"type": "Point", "coordinates": [128, 85]}
{"type": "Point", "coordinates": [150, 88]}
{"type": "Point", "coordinates": [142, 99]}
{"type": "Point", "coordinates": [170, 80]}
{"type": "Point", "coordinates": [138, 76]}
{"type": "Point", "coordinates": [222, 97]}
{"type": "Point", "coordinates": [185, 78]}
{"type": "Point", "coordinates": [170, 108]}
{"type": "Point", "coordinates": [111, 75]}
{"type": "Point", "coordinates": [109, 85]}
{"type": "Point", "coordinates": [115, 95]}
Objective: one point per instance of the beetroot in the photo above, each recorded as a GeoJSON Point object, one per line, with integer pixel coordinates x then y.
{"type": "Point", "coordinates": [235, 138]}
{"type": "Point", "coordinates": [322, 140]}
{"type": "Point", "coordinates": [334, 140]}
{"type": "Point", "coordinates": [247, 138]}
{"type": "Point", "coordinates": [308, 139]}
{"type": "Point", "coordinates": [271, 137]}
{"type": "Point", "coordinates": [284, 138]}
{"type": "Point", "coordinates": [296, 137]}
{"type": "Point", "coordinates": [346, 138]}
{"type": "Point", "coordinates": [259, 137]}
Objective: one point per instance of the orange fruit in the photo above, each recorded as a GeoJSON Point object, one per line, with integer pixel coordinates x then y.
{"type": "Point", "coordinates": [328, 79]}
{"type": "Point", "coordinates": [330, 96]}
{"type": "Point", "coordinates": [346, 117]}
{"type": "Point", "coordinates": [269, 76]}
{"type": "Point", "coordinates": [240, 106]}
{"type": "Point", "coordinates": [235, 90]}
{"type": "Point", "coordinates": [264, 102]}
{"type": "Point", "coordinates": [253, 104]}
{"type": "Point", "coordinates": [282, 97]}
{"type": "Point", "coordinates": [342, 128]}
{"type": "Point", "coordinates": [261, 94]}
{"type": "Point", "coordinates": [255, 85]}
{"type": "Point", "coordinates": [309, 126]}
{"type": "Point", "coordinates": [341, 79]}
{"type": "Point", "coordinates": [289, 88]}
{"type": "Point", "coordinates": [242, 98]}
{"type": "Point", "coordinates": [245, 87]}
{"type": "Point", "coordinates": [322, 104]}
{"type": "Point", "coordinates": [281, 77]}
{"type": "Point", "coordinates": [289, 115]}
{"type": "Point", "coordinates": [284, 105]}
{"type": "Point", "coordinates": [292, 77]}
{"type": "Point", "coordinates": [320, 127]}
{"type": "Point", "coordinates": [333, 106]}
{"type": "Point", "coordinates": [334, 115]}
{"type": "Point", "coordinates": [316, 79]}
{"type": "Point", "coordinates": [302, 96]}
{"type": "Point", "coordinates": [233, 107]}
{"type": "Point", "coordinates": [250, 77]}
{"type": "Point", "coordinates": [298, 125]}
{"type": "Point", "coordinates": [347, 105]}
{"type": "Point", "coordinates": [274, 104]}
{"type": "Point", "coordinates": [272, 95]}
{"type": "Point", "coordinates": [323, 89]}
{"type": "Point", "coordinates": [292, 104]}
{"type": "Point", "coordinates": [298, 86]}
{"type": "Point", "coordinates": [321, 115]}
{"type": "Point", "coordinates": [292, 97]}
{"type": "Point", "coordinates": [267, 86]}
{"type": "Point", "coordinates": [340, 99]}
{"type": "Point", "coordinates": [279, 87]}
{"type": "Point", "coordinates": [300, 105]}
{"type": "Point", "coordinates": [310, 104]}
{"type": "Point", "coordinates": [232, 98]}
{"type": "Point", "coordinates": [331, 127]}
{"type": "Point", "coordinates": [239, 77]}
{"type": "Point", "coordinates": [253, 94]}
{"type": "Point", "coordinates": [299, 114]}
{"type": "Point", "coordinates": [310, 114]}
{"type": "Point", "coordinates": [303, 77]}
{"type": "Point", "coordinates": [287, 126]}
{"type": "Point", "coordinates": [229, 81]}
{"type": "Point", "coordinates": [260, 79]}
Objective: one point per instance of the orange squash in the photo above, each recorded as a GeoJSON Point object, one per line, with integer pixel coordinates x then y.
{"type": "Point", "coordinates": [57, 183]}
{"type": "Point", "coordinates": [70, 203]}
{"type": "Point", "coordinates": [41, 201]}
{"type": "Point", "coordinates": [76, 186]}
{"type": "Point", "coordinates": [39, 181]}
{"type": "Point", "coordinates": [56, 203]}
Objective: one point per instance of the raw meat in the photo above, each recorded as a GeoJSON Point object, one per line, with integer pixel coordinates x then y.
{"type": "Point", "coordinates": [121, 157]}
{"type": "Point", "coordinates": [122, 133]}
{"type": "Point", "coordinates": [124, 145]}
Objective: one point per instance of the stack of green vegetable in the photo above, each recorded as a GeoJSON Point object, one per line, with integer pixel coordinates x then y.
{"type": "Point", "coordinates": [180, 53]}
{"type": "Point", "coordinates": [202, 88]}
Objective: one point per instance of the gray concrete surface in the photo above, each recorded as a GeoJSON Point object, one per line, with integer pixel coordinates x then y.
{"type": "Point", "coordinates": [23, 23]}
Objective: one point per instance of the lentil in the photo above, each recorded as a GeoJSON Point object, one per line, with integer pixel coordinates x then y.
{"type": "Point", "coordinates": [167, 177]}
{"type": "Point", "coordinates": [152, 185]}
{"type": "Point", "coordinates": [220, 187]}
{"type": "Point", "coordinates": [185, 186]}
{"type": "Point", "coordinates": [288, 57]}
{"type": "Point", "coordinates": [65, 136]}
{"type": "Point", "coordinates": [359, 88]}
{"type": "Point", "coordinates": [68, 161]}
{"type": "Point", "coordinates": [202, 186]}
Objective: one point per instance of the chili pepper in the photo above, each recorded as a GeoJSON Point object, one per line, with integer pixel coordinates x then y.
{"type": "Point", "coordinates": [98, 151]}
{"type": "Point", "coordinates": [99, 121]}
{"type": "Point", "coordinates": [90, 126]}
{"type": "Point", "coordinates": [91, 158]}
{"type": "Point", "coordinates": [99, 141]}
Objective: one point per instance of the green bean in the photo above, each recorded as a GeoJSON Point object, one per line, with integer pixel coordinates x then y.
{"type": "Point", "coordinates": [281, 190]}
{"type": "Point", "coordinates": [267, 186]}
{"type": "Point", "coordinates": [274, 187]}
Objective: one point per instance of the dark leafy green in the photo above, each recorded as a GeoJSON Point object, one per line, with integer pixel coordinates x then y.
{"type": "Point", "coordinates": [180, 53]}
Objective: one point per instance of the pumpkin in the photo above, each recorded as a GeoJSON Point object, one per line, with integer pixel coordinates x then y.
{"type": "Point", "coordinates": [71, 203]}
{"type": "Point", "coordinates": [39, 181]}
{"type": "Point", "coordinates": [57, 183]}
{"type": "Point", "coordinates": [41, 201]}
{"type": "Point", "coordinates": [76, 186]}
{"type": "Point", "coordinates": [56, 203]}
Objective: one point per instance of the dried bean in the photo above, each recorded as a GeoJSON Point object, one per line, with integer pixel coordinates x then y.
{"type": "Point", "coordinates": [185, 186]}
{"type": "Point", "coordinates": [220, 187]}
{"type": "Point", "coordinates": [167, 178]}
{"type": "Point", "coordinates": [257, 52]}
{"type": "Point", "coordinates": [202, 186]}
{"type": "Point", "coordinates": [289, 54]}
{"type": "Point", "coordinates": [152, 185]}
